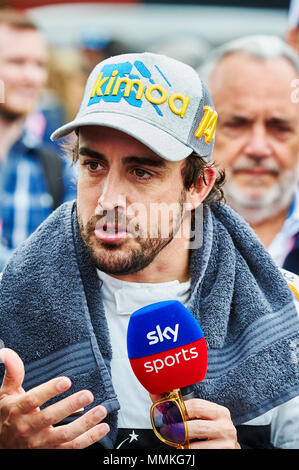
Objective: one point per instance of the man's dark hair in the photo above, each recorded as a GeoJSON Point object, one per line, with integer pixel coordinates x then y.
{"type": "Point", "coordinates": [16, 19]}
{"type": "Point", "coordinates": [195, 166]}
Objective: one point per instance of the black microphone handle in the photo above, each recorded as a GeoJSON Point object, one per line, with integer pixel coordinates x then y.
{"type": "Point", "coordinates": [187, 392]}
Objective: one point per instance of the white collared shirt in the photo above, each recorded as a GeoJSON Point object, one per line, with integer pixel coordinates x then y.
{"type": "Point", "coordinates": [285, 239]}
{"type": "Point", "coordinates": [121, 299]}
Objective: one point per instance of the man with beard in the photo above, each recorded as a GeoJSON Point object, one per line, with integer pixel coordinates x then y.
{"type": "Point", "coordinates": [252, 84]}
{"type": "Point", "coordinates": [33, 178]}
{"type": "Point", "coordinates": [145, 133]}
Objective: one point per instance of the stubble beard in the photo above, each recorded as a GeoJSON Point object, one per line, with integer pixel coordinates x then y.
{"type": "Point", "coordinates": [118, 259]}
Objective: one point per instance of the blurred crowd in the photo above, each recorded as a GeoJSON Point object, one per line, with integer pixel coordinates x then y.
{"type": "Point", "coordinates": [254, 82]}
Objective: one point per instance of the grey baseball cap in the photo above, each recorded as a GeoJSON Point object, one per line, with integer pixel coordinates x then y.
{"type": "Point", "coordinates": [158, 100]}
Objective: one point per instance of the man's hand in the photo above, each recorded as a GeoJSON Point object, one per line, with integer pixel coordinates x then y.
{"type": "Point", "coordinates": [212, 423]}
{"type": "Point", "coordinates": [209, 425]}
{"type": "Point", "coordinates": [23, 425]}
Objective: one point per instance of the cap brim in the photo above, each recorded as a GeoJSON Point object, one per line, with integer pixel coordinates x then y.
{"type": "Point", "coordinates": [159, 141]}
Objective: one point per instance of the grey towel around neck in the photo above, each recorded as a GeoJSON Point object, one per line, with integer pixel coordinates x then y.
{"type": "Point", "coordinates": [53, 316]}
{"type": "Point", "coordinates": [247, 313]}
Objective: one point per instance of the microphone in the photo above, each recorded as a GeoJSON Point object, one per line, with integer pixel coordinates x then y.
{"type": "Point", "coordinates": [166, 347]}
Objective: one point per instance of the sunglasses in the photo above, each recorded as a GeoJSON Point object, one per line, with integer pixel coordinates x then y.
{"type": "Point", "coordinates": [168, 417]}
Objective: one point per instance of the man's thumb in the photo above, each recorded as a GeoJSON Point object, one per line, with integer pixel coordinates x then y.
{"type": "Point", "coordinates": [14, 372]}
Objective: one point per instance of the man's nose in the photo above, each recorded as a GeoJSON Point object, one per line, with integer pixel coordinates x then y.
{"type": "Point", "coordinates": [113, 194]}
{"type": "Point", "coordinates": [257, 145]}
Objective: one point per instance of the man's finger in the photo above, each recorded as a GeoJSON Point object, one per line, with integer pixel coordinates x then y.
{"type": "Point", "coordinates": [203, 409]}
{"type": "Point", "coordinates": [155, 398]}
{"type": "Point", "coordinates": [55, 413]}
{"type": "Point", "coordinates": [14, 372]}
{"type": "Point", "coordinates": [88, 438]}
{"type": "Point", "coordinates": [206, 444]}
{"type": "Point", "coordinates": [39, 395]}
{"type": "Point", "coordinates": [69, 432]}
{"type": "Point", "coordinates": [203, 429]}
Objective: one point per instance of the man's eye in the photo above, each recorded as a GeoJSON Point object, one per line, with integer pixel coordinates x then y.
{"type": "Point", "coordinates": [16, 61]}
{"type": "Point", "coordinates": [234, 124]}
{"type": "Point", "coordinates": [281, 128]}
{"type": "Point", "coordinates": [92, 166]}
{"type": "Point", "coordinates": [142, 174]}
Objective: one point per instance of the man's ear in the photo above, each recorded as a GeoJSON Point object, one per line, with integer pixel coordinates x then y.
{"type": "Point", "coordinates": [292, 38]}
{"type": "Point", "coordinates": [201, 188]}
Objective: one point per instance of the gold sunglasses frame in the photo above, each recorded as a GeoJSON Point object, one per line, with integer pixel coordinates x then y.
{"type": "Point", "coordinates": [175, 396]}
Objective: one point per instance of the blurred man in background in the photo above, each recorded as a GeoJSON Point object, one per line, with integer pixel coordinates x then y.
{"type": "Point", "coordinates": [257, 138]}
{"type": "Point", "coordinates": [33, 178]}
{"type": "Point", "coordinates": [96, 45]}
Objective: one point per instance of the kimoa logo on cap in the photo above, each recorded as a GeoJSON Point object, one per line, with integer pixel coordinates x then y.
{"type": "Point", "coordinates": [118, 81]}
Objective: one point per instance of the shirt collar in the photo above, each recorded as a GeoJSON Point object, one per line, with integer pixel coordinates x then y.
{"type": "Point", "coordinates": [140, 294]}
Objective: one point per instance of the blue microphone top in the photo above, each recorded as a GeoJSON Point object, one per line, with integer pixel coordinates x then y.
{"type": "Point", "coordinates": [160, 327]}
